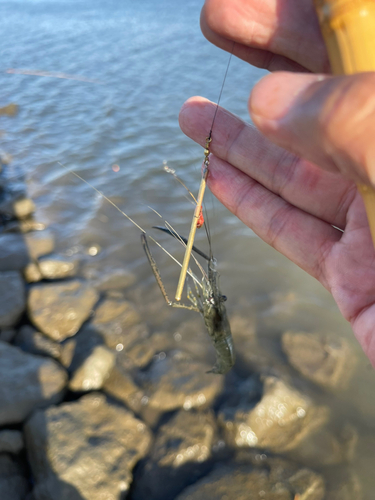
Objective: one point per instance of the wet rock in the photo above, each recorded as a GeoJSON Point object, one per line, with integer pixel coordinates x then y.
{"type": "Point", "coordinates": [11, 441]}
{"type": "Point", "coordinates": [85, 449]}
{"type": "Point", "coordinates": [115, 280]}
{"type": "Point", "coordinates": [24, 226]}
{"type": "Point", "coordinates": [32, 273]}
{"type": "Point", "coordinates": [140, 354]}
{"type": "Point", "coordinates": [281, 420]}
{"type": "Point", "coordinates": [176, 381]}
{"type": "Point", "coordinates": [39, 243]}
{"type": "Point", "coordinates": [324, 359]}
{"type": "Point", "coordinates": [17, 207]}
{"type": "Point", "coordinates": [92, 374]}
{"type": "Point", "coordinates": [59, 310]}
{"type": "Point", "coordinates": [57, 267]}
{"type": "Point", "coordinates": [119, 323]}
{"type": "Point", "coordinates": [13, 482]}
{"type": "Point", "coordinates": [14, 254]}
{"type": "Point", "coordinates": [180, 455]}
{"type": "Point", "coordinates": [27, 382]}
{"type": "Point", "coordinates": [80, 347]}
{"type": "Point", "coordinates": [9, 110]}
{"type": "Point", "coordinates": [248, 483]}
{"type": "Point", "coordinates": [173, 381]}
{"type": "Point", "coordinates": [12, 298]}
{"type": "Point", "coordinates": [7, 334]}
{"type": "Point", "coordinates": [30, 340]}
{"type": "Point", "coordinates": [327, 447]}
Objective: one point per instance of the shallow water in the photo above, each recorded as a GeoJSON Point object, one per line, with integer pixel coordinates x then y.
{"type": "Point", "coordinates": [149, 57]}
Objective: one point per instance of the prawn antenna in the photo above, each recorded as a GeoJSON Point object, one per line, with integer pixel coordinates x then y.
{"type": "Point", "coordinates": [202, 188]}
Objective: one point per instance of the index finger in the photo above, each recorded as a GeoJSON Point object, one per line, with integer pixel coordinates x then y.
{"type": "Point", "coordinates": [272, 34]}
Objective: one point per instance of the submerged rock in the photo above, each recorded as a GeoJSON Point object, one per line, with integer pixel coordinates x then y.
{"type": "Point", "coordinates": [10, 109]}
{"type": "Point", "coordinates": [12, 298]}
{"type": "Point", "coordinates": [27, 382]}
{"type": "Point", "coordinates": [30, 340]}
{"type": "Point", "coordinates": [324, 359]}
{"type": "Point", "coordinates": [39, 243]}
{"type": "Point", "coordinates": [181, 454]}
{"type": "Point", "coordinates": [13, 481]}
{"type": "Point", "coordinates": [7, 334]}
{"type": "Point", "coordinates": [59, 310]}
{"type": "Point", "coordinates": [57, 267]}
{"type": "Point", "coordinates": [115, 280]}
{"type": "Point", "coordinates": [32, 273]}
{"type": "Point", "coordinates": [18, 207]}
{"type": "Point", "coordinates": [93, 372]}
{"type": "Point", "coordinates": [84, 450]}
{"type": "Point", "coordinates": [247, 483]}
{"type": "Point", "coordinates": [11, 441]}
{"type": "Point", "coordinates": [119, 323]}
{"type": "Point", "coordinates": [278, 422]}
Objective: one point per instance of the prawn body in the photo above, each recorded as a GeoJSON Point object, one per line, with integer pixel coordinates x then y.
{"type": "Point", "coordinates": [216, 320]}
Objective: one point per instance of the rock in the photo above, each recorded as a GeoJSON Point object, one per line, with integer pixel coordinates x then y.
{"type": "Point", "coordinates": [30, 340]}
{"type": "Point", "coordinates": [248, 483]}
{"type": "Point", "coordinates": [85, 449]}
{"type": "Point", "coordinates": [39, 243]}
{"type": "Point", "coordinates": [92, 374]}
{"type": "Point", "coordinates": [24, 226]}
{"type": "Point", "coordinates": [324, 359]}
{"type": "Point", "coordinates": [9, 110]}
{"type": "Point", "coordinates": [17, 207]}
{"type": "Point", "coordinates": [11, 441]}
{"type": "Point", "coordinates": [80, 347]}
{"type": "Point", "coordinates": [115, 280]}
{"type": "Point", "coordinates": [7, 334]}
{"type": "Point", "coordinates": [13, 481]}
{"type": "Point", "coordinates": [27, 382]}
{"type": "Point", "coordinates": [140, 354]}
{"type": "Point", "coordinates": [172, 382]}
{"type": "Point", "coordinates": [344, 484]}
{"type": "Point", "coordinates": [119, 323]}
{"type": "Point", "coordinates": [12, 298]}
{"type": "Point", "coordinates": [57, 267]}
{"type": "Point", "coordinates": [59, 310]}
{"type": "Point", "coordinates": [181, 454]}
{"type": "Point", "coordinates": [32, 273]}
{"type": "Point", "coordinates": [281, 420]}
{"type": "Point", "coordinates": [14, 254]}
{"type": "Point", "coordinates": [5, 158]}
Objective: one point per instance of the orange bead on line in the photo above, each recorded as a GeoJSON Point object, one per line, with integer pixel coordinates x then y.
{"type": "Point", "coordinates": [200, 220]}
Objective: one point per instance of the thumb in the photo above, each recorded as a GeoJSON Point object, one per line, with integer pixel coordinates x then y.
{"type": "Point", "coordinates": [327, 120]}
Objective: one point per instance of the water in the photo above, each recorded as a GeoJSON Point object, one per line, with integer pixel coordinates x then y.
{"type": "Point", "coordinates": [149, 57]}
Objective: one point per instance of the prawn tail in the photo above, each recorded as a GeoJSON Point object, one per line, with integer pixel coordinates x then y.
{"type": "Point", "coordinates": [225, 356]}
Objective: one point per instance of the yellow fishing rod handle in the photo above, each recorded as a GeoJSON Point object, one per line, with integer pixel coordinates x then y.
{"type": "Point", "coordinates": [348, 29]}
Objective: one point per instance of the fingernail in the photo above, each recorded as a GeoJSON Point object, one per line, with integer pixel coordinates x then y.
{"type": "Point", "coordinates": [276, 94]}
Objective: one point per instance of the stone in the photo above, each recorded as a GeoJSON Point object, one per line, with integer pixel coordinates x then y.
{"type": "Point", "coordinates": [32, 273]}
{"type": "Point", "coordinates": [279, 422]}
{"type": "Point", "coordinates": [10, 109]}
{"type": "Point", "coordinates": [13, 480]}
{"type": "Point", "coordinates": [92, 374]}
{"type": "Point", "coordinates": [27, 382]}
{"type": "Point", "coordinates": [39, 243]}
{"type": "Point", "coordinates": [326, 360]}
{"type": "Point", "coordinates": [59, 310]}
{"type": "Point", "coordinates": [115, 280]}
{"type": "Point", "coordinates": [182, 453]}
{"type": "Point", "coordinates": [14, 254]}
{"type": "Point", "coordinates": [84, 450]}
{"type": "Point", "coordinates": [7, 334]}
{"type": "Point", "coordinates": [30, 340]}
{"type": "Point", "coordinates": [11, 441]}
{"type": "Point", "coordinates": [12, 298]}
{"type": "Point", "coordinates": [17, 207]}
{"type": "Point", "coordinates": [119, 323]}
{"type": "Point", "coordinates": [247, 483]}
{"type": "Point", "coordinates": [24, 226]}
{"type": "Point", "coordinates": [57, 267]}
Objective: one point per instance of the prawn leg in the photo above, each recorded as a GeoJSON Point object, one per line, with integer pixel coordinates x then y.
{"type": "Point", "coordinates": [159, 281]}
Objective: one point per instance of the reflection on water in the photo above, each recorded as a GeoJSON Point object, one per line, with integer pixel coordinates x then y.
{"type": "Point", "coordinates": [150, 57]}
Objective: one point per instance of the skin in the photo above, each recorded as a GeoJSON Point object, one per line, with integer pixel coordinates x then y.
{"type": "Point", "coordinates": [292, 178]}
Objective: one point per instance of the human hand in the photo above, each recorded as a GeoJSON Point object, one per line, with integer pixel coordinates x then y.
{"type": "Point", "coordinates": [292, 179]}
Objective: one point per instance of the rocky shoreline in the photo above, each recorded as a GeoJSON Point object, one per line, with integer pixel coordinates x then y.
{"type": "Point", "coordinates": [96, 406]}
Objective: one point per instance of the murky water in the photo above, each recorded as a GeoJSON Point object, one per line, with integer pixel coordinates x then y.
{"type": "Point", "coordinates": [149, 57]}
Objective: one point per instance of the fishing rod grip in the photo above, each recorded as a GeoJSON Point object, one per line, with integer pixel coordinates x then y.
{"type": "Point", "coordinates": [348, 29]}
